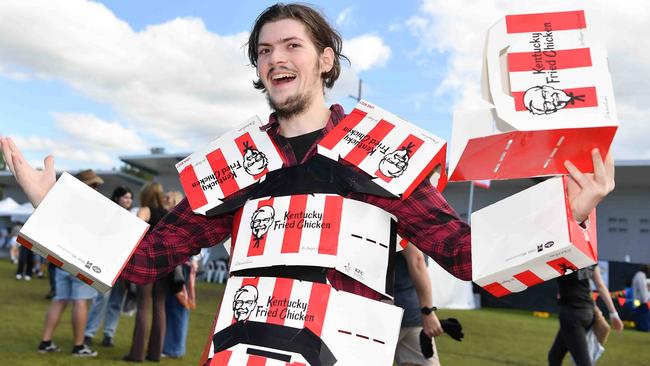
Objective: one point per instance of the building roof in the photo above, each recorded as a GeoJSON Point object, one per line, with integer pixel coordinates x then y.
{"type": "Point", "coordinates": [155, 163]}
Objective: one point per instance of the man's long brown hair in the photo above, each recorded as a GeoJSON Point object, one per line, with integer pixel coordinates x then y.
{"type": "Point", "coordinates": [322, 34]}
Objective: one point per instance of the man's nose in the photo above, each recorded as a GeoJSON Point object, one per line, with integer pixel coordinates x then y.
{"type": "Point", "coordinates": [277, 56]}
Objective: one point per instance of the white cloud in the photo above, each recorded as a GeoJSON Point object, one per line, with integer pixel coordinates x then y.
{"type": "Point", "coordinates": [95, 132]}
{"type": "Point", "coordinates": [366, 52]}
{"type": "Point", "coordinates": [34, 143]}
{"type": "Point", "coordinates": [63, 150]}
{"type": "Point", "coordinates": [457, 30]}
{"type": "Point", "coordinates": [176, 81]}
{"type": "Point", "coordinates": [13, 74]}
{"type": "Point", "coordinates": [632, 139]}
{"type": "Point", "coordinates": [344, 17]}
{"type": "Point", "coordinates": [346, 85]}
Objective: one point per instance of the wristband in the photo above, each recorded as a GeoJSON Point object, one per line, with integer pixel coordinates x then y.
{"type": "Point", "coordinates": [614, 315]}
{"type": "Point", "coordinates": [428, 310]}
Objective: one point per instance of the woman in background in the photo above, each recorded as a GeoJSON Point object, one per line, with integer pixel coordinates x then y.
{"type": "Point", "coordinates": [151, 210]}
{"type": "Point", "coordinates": [109, 305]}
{"type": "Point", "coordinates": [179, 304]}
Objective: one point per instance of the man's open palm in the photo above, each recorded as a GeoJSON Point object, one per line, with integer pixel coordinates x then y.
{"type": "Point", "coordinates": [35, 183]}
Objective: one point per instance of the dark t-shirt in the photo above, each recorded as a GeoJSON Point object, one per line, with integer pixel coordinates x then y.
{"type": "Point", "coordinates": [575, 290]}
{"type": "Point", "coordinates": [301, 144]}
{"type": "Point", "coordinates": [157, 213]}
{"type": "Point", "coordinates": [405, 295]}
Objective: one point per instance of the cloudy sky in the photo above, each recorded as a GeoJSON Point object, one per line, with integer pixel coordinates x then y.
{"type": "Point", "coordinates": [88, 81]}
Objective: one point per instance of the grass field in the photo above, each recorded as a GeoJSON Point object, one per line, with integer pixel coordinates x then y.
{"type": "Point", "coordinates": [492, 337]}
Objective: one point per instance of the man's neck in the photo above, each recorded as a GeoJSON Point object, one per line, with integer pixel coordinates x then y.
{"type": "Point", "coordinates": [311, 119]}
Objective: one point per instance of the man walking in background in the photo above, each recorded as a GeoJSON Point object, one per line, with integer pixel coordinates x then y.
{"type": "Point", "coordinates": [70, 289]}
{"type": "Point", "coordinates": [413, 294]}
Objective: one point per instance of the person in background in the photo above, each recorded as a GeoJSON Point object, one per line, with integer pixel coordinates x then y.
{"type": "Point", "coordinates": [151, 210]}
{"type": "Point", "coordinates": [180, 302]}
{"type": "Point", "coordinates": [25, 261]}
{"type": "Point", "coordinates": [70, 289]}
{"type": "Point", "coordinates": [641, 297]}
{"type": "Point", "coordinates": [577, 315]}
{"type": "Point", "coordinates": [39, 265]}
{"type": "Point", "coordinates": [413, 294]}
{"type": "Point", "coordinates": [4, 237]}
{"type": "Point", "coordinates": [107, 306]}
{"type": "Point", "coordinates": [51, 268]}
{"type": "Point", "coordinates": [14, 247]}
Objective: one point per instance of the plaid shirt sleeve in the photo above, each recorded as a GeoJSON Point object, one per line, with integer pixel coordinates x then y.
{"type": "Point", "coordinates": [426, 220]}
{"type": "Point", "coordinates": [178, 235]}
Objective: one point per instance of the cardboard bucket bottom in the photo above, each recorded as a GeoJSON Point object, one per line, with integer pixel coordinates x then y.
{"type": "Point", "coordinates": [304, 322]}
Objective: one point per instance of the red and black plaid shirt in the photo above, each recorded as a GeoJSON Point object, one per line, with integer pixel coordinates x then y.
{"type": "Point", "coordinates": [424, 218]}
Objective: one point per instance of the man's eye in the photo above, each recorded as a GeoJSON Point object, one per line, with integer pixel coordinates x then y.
{"type": "Point", "coordinates": [294, 45]}
{"type": "Point", "coordinates": [263, 51]}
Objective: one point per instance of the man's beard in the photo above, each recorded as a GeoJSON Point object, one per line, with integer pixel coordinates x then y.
{"type": "Point", "coordinates": [291, 107]}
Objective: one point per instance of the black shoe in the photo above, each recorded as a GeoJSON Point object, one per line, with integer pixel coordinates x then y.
{"type": "Point", "coordinates": [48, 347]}
{"type": "Point", "coordinates": [151, 359]}
{"type": "Point", "coordinates": [128, 358]}
{"type": "Point", "coordinates": [83, 351]}
{"type": "Point", "coordinates": [107, 341]}
{"type": "Point", "coordinates": [88, 341]}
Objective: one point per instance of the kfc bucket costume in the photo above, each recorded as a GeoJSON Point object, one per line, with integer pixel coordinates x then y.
{"type": "Point", "coordinates": [312, 244]}
{"type": "Point", "coordinates": [303, 290]}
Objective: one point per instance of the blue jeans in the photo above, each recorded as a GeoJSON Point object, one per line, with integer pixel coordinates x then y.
{"type": "Point", "coordinates": [69, 287]}
{"type": "Point", "coordinates": [108, 307]}
{"type": "Point", "coordinates": [178, 319]}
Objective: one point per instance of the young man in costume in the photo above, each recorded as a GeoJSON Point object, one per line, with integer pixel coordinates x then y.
{"type": "Point", "coordinates": [297, 54]}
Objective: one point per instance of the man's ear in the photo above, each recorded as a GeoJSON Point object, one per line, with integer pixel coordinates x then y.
{"type": "Point", "coordinates": [326, 60]}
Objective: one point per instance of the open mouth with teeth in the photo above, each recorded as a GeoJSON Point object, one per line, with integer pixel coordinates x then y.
{"type": "Point", "coordinates": [282, 78]}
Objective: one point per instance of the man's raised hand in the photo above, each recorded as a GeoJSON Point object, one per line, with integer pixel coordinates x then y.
{"type": "Point", "coordinates": [587, 190]}
{"type": "Point", "coordinates": [35, 183]}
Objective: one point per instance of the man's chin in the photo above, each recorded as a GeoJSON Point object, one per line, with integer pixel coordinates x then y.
{"type": "Point", "coordinates": [289, 106]}
{"type": "Point", "coordinates": [283, 102]}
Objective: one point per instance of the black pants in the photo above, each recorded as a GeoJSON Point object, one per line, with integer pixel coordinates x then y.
{"type": "Point", "coordinates": [572, 336]}
{"type": "Point", "coordinates": [150, 296]}
{"type": "Point", "coordinates": [25, 262]}
{"type": "Point", "coordinates": [50, 274]}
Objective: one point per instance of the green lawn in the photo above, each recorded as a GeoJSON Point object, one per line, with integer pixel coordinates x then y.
{"type": "Point", "coordinates": [492, 337]}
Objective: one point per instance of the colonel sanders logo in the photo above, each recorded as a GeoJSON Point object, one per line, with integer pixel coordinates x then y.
{"type": "Point", "coordinates": [244, 302]}
{"type": "Point", "coordinates": [546, 99]}
{"type": "Point", "coordinates": [395, 164]}
{"type": "Point", "coordinates": [261, 221]}
{"type": "Point", "coordinates": [254, 160]}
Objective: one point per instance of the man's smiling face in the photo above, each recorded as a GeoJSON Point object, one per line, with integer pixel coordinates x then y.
{"type": "Point", "coordinates": [289, 66]}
